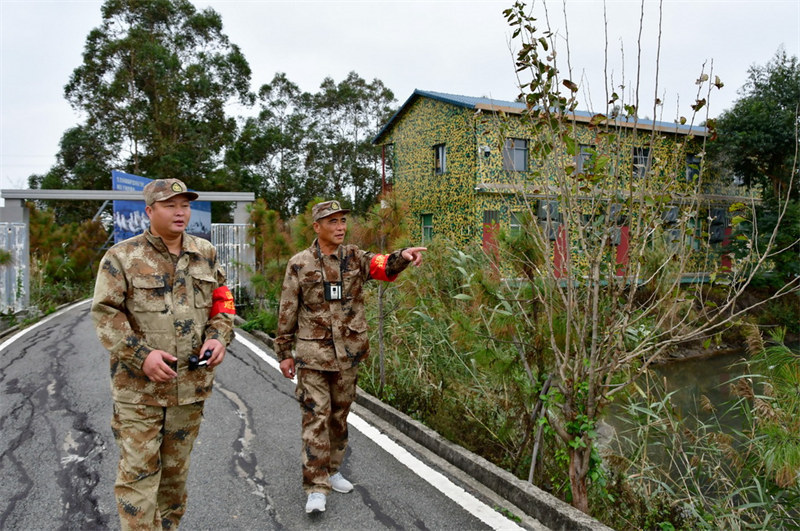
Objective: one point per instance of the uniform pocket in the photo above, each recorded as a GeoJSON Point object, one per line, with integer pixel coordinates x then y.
{"type": "Point", "coordinates": [356, 342]}
{"type": "Point", "coordinates": [148, 294]}
{"type": "Point", "coordinates": [312, 293]}
{"type": "Point", "coordinates": [203, 286]}
{"type": "Point", "coordinates": [352, 281]}
{"type": "Point", "coordinates": [356, 328]}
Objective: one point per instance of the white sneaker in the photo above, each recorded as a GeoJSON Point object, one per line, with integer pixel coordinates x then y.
{"type": "Point", "coordinates": [315, 503]}
{"type": "Point", "coordinates": [339, 484]}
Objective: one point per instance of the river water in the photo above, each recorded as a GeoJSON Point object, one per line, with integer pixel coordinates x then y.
{"type": "Point", "coordinates": [693, 378]}
{"type": "Point", "coordinates": [688, 381]}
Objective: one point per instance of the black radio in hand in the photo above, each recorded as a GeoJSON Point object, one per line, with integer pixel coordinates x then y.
{"type": "Point", "coordinates": [196, 361]}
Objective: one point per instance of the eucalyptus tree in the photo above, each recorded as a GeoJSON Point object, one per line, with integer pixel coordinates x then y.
{"type": "Point", "coordinates": [153, 88]}
{"type": "Point", "coordinates": [347, 117]}
{"type": "Point", "coordinates": [268, 155]}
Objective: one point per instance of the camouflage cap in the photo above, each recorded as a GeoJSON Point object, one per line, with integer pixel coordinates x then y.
{"type": "Point", "coordinates": [327, 208]}
{"type": "Point", "coordinates": [163, 189]}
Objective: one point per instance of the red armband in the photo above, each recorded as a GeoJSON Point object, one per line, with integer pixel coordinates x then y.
{"type": "Point", "coordinates": [377, 268]}
{"type": "Point", "coordinates": [222, 301]}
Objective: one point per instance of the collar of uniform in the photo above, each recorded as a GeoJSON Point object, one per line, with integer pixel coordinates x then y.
{"type": "Point", "coordinates": [188, 244]}
{"type": "Point", "coordinates": [315, 248]}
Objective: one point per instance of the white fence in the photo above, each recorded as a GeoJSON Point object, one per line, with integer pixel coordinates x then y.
{"type": "Point", "coordinates": [235, 253]}
{"type": "Point", "coordinates": [230, 239]}
{"type": "Point", "coordinates": [14, 277]}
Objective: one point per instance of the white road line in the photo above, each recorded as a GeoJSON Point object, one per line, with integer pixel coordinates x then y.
{"type": "Point", "coordinates": [50, 317]}
{"type": "Point", "coordinates": [466, 500]}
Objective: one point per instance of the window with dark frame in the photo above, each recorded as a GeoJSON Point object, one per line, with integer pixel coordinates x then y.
{"type": "Point", "coordinates": [427, 228]}
{"type": "Point", "coordinates": [641, 162]}
{"type": "Point", "coordinates": [692, 167]}
{"type": "Point", "coordinates": [717, 224]}
{"type": "Point", "coordinates": [439, 159]}
{"type": "Point", "coordinates": [583, 160]}
{"type": "Point", "coordinates": [549, 217]}
{"type": "Point", "coordinates": [515, 154]}
{"type": "Point", "coordinates": [514, 225]}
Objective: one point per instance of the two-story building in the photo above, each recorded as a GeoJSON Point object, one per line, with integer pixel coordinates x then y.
{"type": "Point", "coordinates": [459, 162]}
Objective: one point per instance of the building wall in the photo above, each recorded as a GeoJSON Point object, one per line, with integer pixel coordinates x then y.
{"type": "Point", "coordinates": [448, 196]}
{"type": "Point", "coordinates": [475, 143]}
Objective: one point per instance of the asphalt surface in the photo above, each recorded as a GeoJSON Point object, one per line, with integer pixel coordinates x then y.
{"type": "Point", "coordinates": [58, 457]}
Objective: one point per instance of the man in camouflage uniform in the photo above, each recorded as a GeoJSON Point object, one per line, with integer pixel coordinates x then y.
{"type": "Point", "coordinates": [322, 315]}
{"type": "Point", "coordinates": [160, 298]}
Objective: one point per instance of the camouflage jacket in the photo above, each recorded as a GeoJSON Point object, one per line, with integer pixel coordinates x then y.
{"type": "Point", "coordinates": [327, 335]}
{"type": "Point", "coordinates": [147, 299]}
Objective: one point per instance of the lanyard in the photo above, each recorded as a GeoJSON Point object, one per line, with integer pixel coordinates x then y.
{"type": "Point", "coordinates": [322, 265]}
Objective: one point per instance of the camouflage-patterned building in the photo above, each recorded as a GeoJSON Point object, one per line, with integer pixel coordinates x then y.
{"type": "Point", "coordinates": [458, 160]}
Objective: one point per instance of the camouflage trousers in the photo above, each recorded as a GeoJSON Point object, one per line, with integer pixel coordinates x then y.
{"type": "Point", "coordinates": [325, 398]}
{"type": "Point", "coordinates": [154, 444]}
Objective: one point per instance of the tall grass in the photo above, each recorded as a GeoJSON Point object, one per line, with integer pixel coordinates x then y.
{"type": "Point", "coordinates": [442, 365]}
{"type": "Point", "coordinates": [707, 473]}
{"type": "Point", "coordinates": [453, 363]}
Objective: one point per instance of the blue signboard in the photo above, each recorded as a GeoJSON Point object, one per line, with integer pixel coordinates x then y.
{"type": "Point", "coordinates": [131, 219]}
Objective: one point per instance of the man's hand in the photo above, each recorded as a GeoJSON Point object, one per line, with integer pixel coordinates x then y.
{"type": "Point", "coordinates": [156, 366]}
{"type": "Point", "coordinates": [217, 354]}
{"type": "Point", "coordinates": [287, 367]}
{"type": "Point", "coordinates": [414, 254]}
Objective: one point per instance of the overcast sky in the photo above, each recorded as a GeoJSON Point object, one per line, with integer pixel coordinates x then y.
{"type": "Point", "coordinates": [458, 47]}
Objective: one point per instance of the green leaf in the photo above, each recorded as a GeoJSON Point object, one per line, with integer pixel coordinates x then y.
{"type": "Point", "coordinates": [543, 42]}
{"type": "Point", "coordinates": [571, 145]}
{"type": "Point", "coordinates": [598, 119]}
{"type": "Point", "coordinates": [463, 297]}
{"type": "Point", "coordinates": [424, 317]}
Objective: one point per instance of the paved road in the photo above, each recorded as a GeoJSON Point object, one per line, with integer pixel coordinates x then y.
{"type": "Point", "coordinates": [58, 457]}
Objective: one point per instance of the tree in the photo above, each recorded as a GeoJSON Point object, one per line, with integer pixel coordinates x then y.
{"type": "Point", "coordinates": [83, 162]}
{"type": "Point", "coordinates": [605, 316]}
{"type": "Point", "coordinates": [340, 152]}
{"type": "Point", "coordinates": [63, 258]}
{"type": "Point", "coordinates": [155, 80]}
{"type": "Point", "coordinates": [757, 137]}
{"type": "Point", "coordinates": [271, 241]}
{"type": "Point", "coordinates": [757, 142]}
{"type": "Point", "coordinates": [268, 155]}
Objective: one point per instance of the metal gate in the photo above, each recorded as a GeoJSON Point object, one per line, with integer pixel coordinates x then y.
{"type": "Point", "coordinates": [235, 254]}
